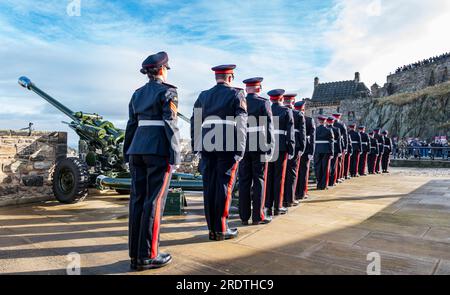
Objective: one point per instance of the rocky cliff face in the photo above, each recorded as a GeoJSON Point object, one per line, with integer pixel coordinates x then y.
{"type": "Point", "coordinates": [423, 114]}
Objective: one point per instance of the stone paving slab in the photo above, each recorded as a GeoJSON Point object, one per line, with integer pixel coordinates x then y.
{"type": "Point", "coordinates": [405, 217]}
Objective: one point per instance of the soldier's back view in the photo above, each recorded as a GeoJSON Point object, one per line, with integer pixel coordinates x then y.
{"type": "Point", "coordinates": [253, 168]}
{"type": "Point", "coordinates": [219, 133]}
{"type": "Point", "coordinates": [284, 150]}
{"type": "Point", "coordinates": [323, 153]}
{"type": "Point", "coordinates": [151, 146]}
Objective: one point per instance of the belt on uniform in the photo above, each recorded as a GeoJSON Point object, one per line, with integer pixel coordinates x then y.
{"type": "Point", "coordinates": [256, 129]}
{"type": "Point", "coordinates": [387, 146]}
{"type": "Point", "coordinates": [322, 142]}
{"type": "Point", "coordinates": [355, 142]}
{"type": "Point", "coordinates": [151, 123]}
{"type": "Point", "coordinates": [296, 130]}
{"type": "Point", "coordinates": [308, 137]}
{"type": "Point", "coordinates": [282, 132]}
{"type": "Point", "coordinates": [365, 143]}
{"type": "Point", "coordinates": [219, 122]}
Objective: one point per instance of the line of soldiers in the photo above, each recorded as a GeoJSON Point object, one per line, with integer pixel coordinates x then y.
{"type": "Point", "coordinates": [268, 145]}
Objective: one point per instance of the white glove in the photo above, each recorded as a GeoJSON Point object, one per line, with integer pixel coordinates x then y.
{"type": "Point", "coordinates": [310, 157]}
{"type": "Point", "coordinates": [174, 168]}
{"type": "Point", "coordinates": [198, 156]}
{"type": "Point", "coordinates": [290, 157]}
{"type": "Point", "coordinates": [339, 155]}
{"type": "Point", "coordinates": [331, 157]}
{"type": "Point", "coordinates": [238, 158]}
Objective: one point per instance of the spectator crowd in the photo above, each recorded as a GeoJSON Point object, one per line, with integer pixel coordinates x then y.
{"type": "Point", "coordinates": [423, 62]}
{"type": "Point", "coordinates": [405, 148]}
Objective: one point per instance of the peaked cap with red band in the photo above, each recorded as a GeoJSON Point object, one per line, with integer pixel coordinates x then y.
{"type": "Point", "coordinates": [276, 94]}
{"type": "Point", "coordinates": [224, 69]}
{"type": "Point", "coordinates": [321, 118]}
{"type": "Point", "coordinates": [299, 105]}
{"type": "Point", "coordinates": [289, 96]}
{"type": "Point", "coordinates": [155, 61]}
{"type": "Point", "coordinates": [253, 81]}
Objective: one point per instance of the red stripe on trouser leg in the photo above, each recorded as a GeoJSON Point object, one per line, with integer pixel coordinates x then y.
{"type": "Point", "coordinates": [283, 177]}
{"type": "Point", "coordinates": [335, 171]}
{"type": "Point", "coordinates": [364, 163]}
{"type": "Point", "coordinates": [263, 201]}
{"type": "Point", "coordinates": [328, 173]}
{"type": "Point", "coordinates": [375, 164]}
{"type": "Point", "coordinates": [357, 163]}
{"type": "Point", "coordinates": [296, 174]}
{"type": "Point", "coordinates": [228, 199]}
{"type": "Point", "coordinates": [307, 176]}
{"type": "Point", "coordinates": [155, 230]}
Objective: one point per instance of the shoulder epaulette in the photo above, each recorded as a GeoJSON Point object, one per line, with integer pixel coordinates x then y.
{"type": "Point", "coordinates": [169, 85]}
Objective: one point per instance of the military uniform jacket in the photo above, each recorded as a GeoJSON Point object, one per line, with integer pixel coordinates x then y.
{"type": "Point", "coordinates": [387, 144]}
{"type": "Point", "coordinates": [365, 141]}
{"type": "Point", "coordinates": [310, 135]}
{"type": "Point", "coordinates": [380, 142]}
{"type": "Point", "coordinates": [344, 134]}
{"type": "Point", "coordinates": [219, 121]}
{"type": "Point", "coordinates": [350, 147]}
{"type": "Point", "coordinates": [324, 140]}
{"type": "Point", "coordinates": [355, 138]}
{"type": "Point", "coordinates": [337, 140]}
{"type": "Point", "coordinates": [285, 132]}
{"type": "Point", "coordinates": [261, 137]}
{"type": "Point", "coordinates": [373, 146]}
{"type": "Point", "coordinates": [300, 131]}
{"type": "Point", "coordinates": [152, 126]}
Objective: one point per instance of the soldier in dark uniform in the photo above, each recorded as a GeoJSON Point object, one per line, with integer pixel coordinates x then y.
{"type": "Point", "coordinates": [305, 160]}
{"type": "Point", "coordinates": [372, 158]}
{"type": "Point", "coordinates": [253, 167]}
{"type": "Point", "coordinates": [365, 141]}
{"type": "Point", "coordinates": [386, 152]}
{"type": "Point", "coordinates": [293, 165]}
{"type": "Point", "coordinates": [324, 152]}
{"type": "Point", "coordinates": [337, 151]}
{"type": "Point", "coordinates": [284, 150]}
{"type": "Point", "coordinates": [380, 142]}
{"type": "Point", "coordinates": [344, 141]}
{"type": "Point", "coordinates": [151, 147]}
{"type": "Point", "coordinates": [357, 149]}
{"type": "Point", "coordinates": [348, 155]}
{"type": "Point", "coordinates": [219, 134]}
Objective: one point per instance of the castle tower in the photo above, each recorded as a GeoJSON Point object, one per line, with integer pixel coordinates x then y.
{"type": "Point", "coordinates": [316, 82]}
{"type": "Point", "coordinates": [357, 77]}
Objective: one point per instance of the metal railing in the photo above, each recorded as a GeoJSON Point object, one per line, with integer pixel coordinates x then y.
{"type": "Point", "coordinates": [425, 152]}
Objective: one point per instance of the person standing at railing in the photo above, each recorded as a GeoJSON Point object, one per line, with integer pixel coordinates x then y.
{"type": "Point", "coordinates": [402, 148]}
{"type": "Point", "coordinates": [387, 151]}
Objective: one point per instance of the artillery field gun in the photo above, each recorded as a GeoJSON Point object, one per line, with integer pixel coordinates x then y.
{"type": "Point", "coordinates": [101, 161]}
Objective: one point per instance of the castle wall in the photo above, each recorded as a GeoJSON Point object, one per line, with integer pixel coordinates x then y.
{"type": "Point", "coordinates": [417, 78]}
{"type": "Point", "coordinates": [26, 163]}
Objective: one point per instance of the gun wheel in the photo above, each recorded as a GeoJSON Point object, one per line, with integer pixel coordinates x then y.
{"type": "Point", "coordinates": [70, 181]}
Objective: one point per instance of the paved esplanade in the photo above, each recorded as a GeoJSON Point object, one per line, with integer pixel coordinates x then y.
{"type": "Point", "coordinates": [403, 216]}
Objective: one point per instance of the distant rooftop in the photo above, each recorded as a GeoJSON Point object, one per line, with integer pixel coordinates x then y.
{"type": "Point", "coordinates": [336, 91]}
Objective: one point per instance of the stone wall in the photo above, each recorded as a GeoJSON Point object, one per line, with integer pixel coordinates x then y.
{"type": "Point", "coordinates": [415, 79]}
{"type": "Point", "coordinates": [26, 163]}
{"type": "Point", "coordinates": [423, 114]}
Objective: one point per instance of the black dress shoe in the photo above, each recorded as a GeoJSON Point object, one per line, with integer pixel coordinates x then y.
{"type": "Point", "coordinates": [287, 205]}
{"type": "Point", "coordinates": [231, 233]}
{"type": "Point", "coordinates": [133, 263]}
{"type": "Point", "coordinates": [266, 220]}
{"type": "Point", "coordinates": [245, 222]}
{"type": "Point", "coordinates": [295, 203]}
{"type": "Point", "coordinates": [212, 235]}
{"type": "Point", "coordinates": [281, 211]}
{"type": "Point", "coordinates": [161, 260]}
{"type": "Point", "coordinates": [268, 212]}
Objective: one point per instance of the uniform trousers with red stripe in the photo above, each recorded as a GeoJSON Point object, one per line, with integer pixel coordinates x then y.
{"type": "Point", "coordinates": [150, 177]}
{"type": "Point", "coordinates": [371, 162]}
{"type": "Point", "coordinates": [362, 163]}
{"type": "Point", "coordinates": [322, 169]}
{"type": "Point", "coordinates": [303, 176]}
{"type": "Point", "coordinates": [275, 181]}
{"type": "Point", "coordinates": [354, 163]}
{"type": "Point", "coordinates": [333, 171]}
{"type": "Point", "coordinates": [252, 186]}
{"type": "Point", "coordinates": [290, 184]}
{"type": "Point", "coordinates": [219, 176]}
{"type": "Point", "coordinates": [340, 166]}
{"type": "Point", "coordinates": [347, 164]}
{"type": "Point", "coordinates": [378, 162]}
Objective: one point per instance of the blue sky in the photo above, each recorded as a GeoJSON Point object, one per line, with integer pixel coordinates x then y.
{"type": "Point", "coordinates": [91, 62]}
